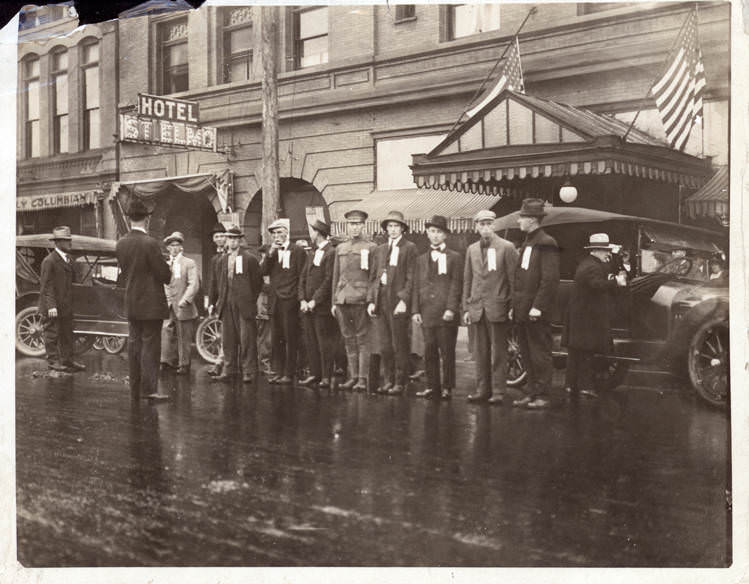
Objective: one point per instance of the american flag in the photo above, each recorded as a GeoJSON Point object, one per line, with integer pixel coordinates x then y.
{"type": "Point", "coordinates": [678, 94]}
{"type": "Point", "coordinates": [511, 78]}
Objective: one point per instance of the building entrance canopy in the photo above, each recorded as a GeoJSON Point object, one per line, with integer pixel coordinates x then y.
{"type": "Point", "coordinates": [516, 140]}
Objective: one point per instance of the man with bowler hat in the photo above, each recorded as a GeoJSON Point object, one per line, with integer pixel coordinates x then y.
{"type": "Point", "coordinates": [144, 273]}
{"type": "Point", "coordinates": [534, 300]}
{"type": "Point", "coordinates": [284, 265]}
{"type": "Point", "coordinates": [56, 303]}
{"type": "Point", "coordinates": [390, 290]}
{"type": "Point", "coordinates": [438, 282]}
{"type": "Point", "coordinates": [240, 280]}
{"type": "Point", "coordinates": [315, 304]}
{"type": "Point", "coordinates": [351, 271]}
{"type": "Point", "coordinates": [218, 234]}
{"type": "Point", "coordinates": [487, 299]}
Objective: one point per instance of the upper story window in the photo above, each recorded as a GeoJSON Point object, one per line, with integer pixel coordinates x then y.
{"type": "Point", "coordinates": [405, 12]}
{"type": "Point", "coordinates": [237, 44]}
{"type": "Point", "coordinates": [173, 53]}
{"type": "Point", "coordinates": [59, 73]}
{"type": "Point", "coordinates": [90, 92]}
{"type": "Point", "coordinates": [31, 106]}
{"type": "Point", "coordinates": [469, 19]}
{"type": "Point", "coordinates": [310, 36]}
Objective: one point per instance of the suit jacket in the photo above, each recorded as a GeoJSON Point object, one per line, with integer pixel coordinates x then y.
{"type": "Point", "coordinates": [350, 282]}
{"type": "Point", "coordinates": [536, 286]}
{"type": "Point", "coordinates": [144, 273]}
{"type": "Point", "coordinates": [489, 292]}
{"type": "Point", "coordinates": [284, 284]}
{"type": "Point", "coordinates": [399, 278]}
{"type": "Point", "coordinates": [56, 289]}
{"type": "Point", "coordinates": [183, 288]}
{"type": "Point", "coordinates": [434, 293]}
{"type": "Point", "coordinates": [589, 311]}
{"type": "Point", "coordinates": [216, 265]}
{"type": "Point", "coordinates": [315, 281]}
{"type": "Point", "coordinates": [242, 289]}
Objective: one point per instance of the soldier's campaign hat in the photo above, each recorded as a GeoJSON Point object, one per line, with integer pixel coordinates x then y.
{"type": "Point", "coordinates": [321, 226]}
{"type": "Point", "coordinates": [278, 224]}
{"type": "Point", "coordinates": [439, 222]}
{"type": "Point", "coordinates": [233, 231]}
{"type": "Point", "coordinates": [532, 208]}
{"type": "Point", "coordinates": [176, 236]}
{"type": "Point", "coordinates": [137, 209]}
{"type": "Point", "coordinates": [485, 215]}
{"type": "Point", "coordinates": [600, 241]}
{"type": "Point", "coordinates": [62, 232]}
{"type": "Point", "coordinates": [355, 215]}
{"type": "Point", "coordinates": [396, 216]}
{"type": "Point", "coordinates": [218, 228]}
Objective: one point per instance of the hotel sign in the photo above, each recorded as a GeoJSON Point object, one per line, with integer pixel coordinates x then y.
{"type": "Point", "coordinates": [167, 122]}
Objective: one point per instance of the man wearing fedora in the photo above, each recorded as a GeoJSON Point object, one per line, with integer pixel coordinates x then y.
{"type": "Point", "coordinates": [181, 290]}
{"type": "Point", "coordinates": [487, 299]}
{"type": "Point", "coordinates": [284, 265]}
{"type": "Point", "coordinates": [438, 283]}
{"type": "Point", "coordinates": [351, 274]}
{"type": "Point", "coordinates": [588, 320]}
{"type": "Point", "coordinates": [144, 274]}
{"type": "Point", "coordinates": [534, 299]}
{"type": "Point", "coordinates": [218, 234]}
{"type": "Point", "coordinates": [240, 280]}
{"type": "Point", "coordinates": [315, 304]}
{"type": "Point", "coordinates": [56, 303]}
{"type": "Point", "coordinates": [390, 290]}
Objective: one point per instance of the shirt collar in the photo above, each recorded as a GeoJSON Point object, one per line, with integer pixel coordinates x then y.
{"type": "Point", "coordinates": [323, 243]}
{"type": "Point", "coordinates": [63, 255]}
{"type": "Point", "coordinates": [395, 241]}
{"type": "Point", "coordinates": [136, 228]}
{"type": "Point", "coordinates": [440, 247]}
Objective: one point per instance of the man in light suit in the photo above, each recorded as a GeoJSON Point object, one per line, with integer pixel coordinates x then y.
{"type": "Point", "coordinates": [144, 273]}
{"type": "Point", "coordinates": [487, 298]}
{"type": "Point", "coordinates": [180, 297]}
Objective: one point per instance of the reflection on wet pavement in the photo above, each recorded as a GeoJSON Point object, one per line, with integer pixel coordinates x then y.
{"type": "Point", "coordinates": [258, 475]}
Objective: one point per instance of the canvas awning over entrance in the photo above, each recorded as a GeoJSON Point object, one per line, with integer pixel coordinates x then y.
{"type": "Point", "coordinates": [711, 201]}
{"type": "Point", "coordinates": [518, 138]}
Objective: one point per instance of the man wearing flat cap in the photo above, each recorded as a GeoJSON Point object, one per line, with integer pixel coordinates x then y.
{"type": "Point", "coordinates": [56, 303]}
{"type": "Point", "coordinates": [588, 322]}
{"type": "Point", "coordinates": [144, 273]}
{"type": "Point", "coordinates": [487, 300]}
{"type": "Point", "coordinates": [534, 300]}
{"type": "Point", "coordinates": [315, 304]}
{"type": "Point", "coordinates": [218, 234]}
{"type": "Point", "coordinates": [389, 296]}
{"type": "Point", "coordinates": [240, 281]}
{"type": "Point", "coordinates": [351, 270]}
{"type": "Point", "coordinates": [438, 283]}
{"type": "Point", "coordinates": [181, 290]}
{"type": "Point", "coordinates": [284, 265]}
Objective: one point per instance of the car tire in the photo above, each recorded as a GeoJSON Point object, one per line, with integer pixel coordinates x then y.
{"type": "Point", "coordinates": [114, 345]}
{"type": "Point", "coordinates": [517, 373]}
{"type": "Point", "coordinates": [99, 344]}
{"type": "Point", "coordinates": [29, 332]}
{"type": "Point", "coordinates": [708, 362]}
{"type": "Point", "coordinates": [208, 339]}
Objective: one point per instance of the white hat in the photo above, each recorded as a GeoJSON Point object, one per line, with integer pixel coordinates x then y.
{"type": "Point", "coordinates": [600, 241]}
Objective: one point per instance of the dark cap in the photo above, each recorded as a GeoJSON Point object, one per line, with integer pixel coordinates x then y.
{"type": "Point", "coordinates": [321, 226]}
{"type": "Point", "coordinates": [218, 228]}
{"type": "Point", "coordinates": [355, 215]}
{"type": "Point", "coordinates": [137, 209]}
{"type": "Point", "coordinates": [532, 208]}
{"type": "Point", "coordinates": [439, 222]}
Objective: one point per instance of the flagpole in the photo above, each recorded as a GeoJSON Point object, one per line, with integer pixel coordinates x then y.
{"type": "Point", "coordinates": [531, 12]}
{"type": "Point", "coordinates": [655, 80]}
{"type": "Point", "coordinates": [702, 117]}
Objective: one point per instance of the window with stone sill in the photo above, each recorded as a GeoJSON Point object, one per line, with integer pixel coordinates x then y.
{"type": "Point", "coordinates": [31, 106]}
{"type": "Point", "coordinates": [59, 74]}
{"type": "Point", "coordinates": [238, 53]}
{"type": "Point", "coordinates": [310, 36]}
{"type": "Point", "coordinates": [469, 19]}
{"type": "Point", "coordinates": [90, 91]}
{"type": "Point", "coordinates": [405, 12]}
{"type": "Point", "coordinates": [173, 56]}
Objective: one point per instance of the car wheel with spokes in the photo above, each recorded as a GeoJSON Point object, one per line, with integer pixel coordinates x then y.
{"type": "Point", "coordinates": [30, 332]}
{"type": "Point", "coordinates": [208, 339]}
{"type": "Point", "coordinates": [516, 369]}
{"type": "Point", "coordinates": [708, 361]}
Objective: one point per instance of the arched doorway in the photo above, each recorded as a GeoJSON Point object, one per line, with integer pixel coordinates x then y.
{"type": "Point", "coordinates": [301, 202]}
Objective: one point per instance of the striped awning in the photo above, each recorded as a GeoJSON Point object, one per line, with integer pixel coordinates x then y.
{"type": "Point", "coordinates": [712, 199]}
{"type": "Point", "coordinates": [44, 201]}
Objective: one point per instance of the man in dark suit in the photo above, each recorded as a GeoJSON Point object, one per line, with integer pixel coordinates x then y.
{"type": "Point", "coordinates": [588, 329]}
{"type": "Point", "coordinates": [534, 299]}
{"type": "Point", "coordinates": [487, 300]}
{"type": "Point", "coordinates": [389, 296]}
{"type": "Point", "coordinates": [438, 281]}
{"type": "Point", "coordinates": [239, 280]}
{"type": "Point", "coordinates": [56, 303]}
{"type": "Point", "coordinates": [284, 265]}
{"type": "Point", "coordinates": [219, 240]}
{"type": "Point", "coordinates": [315, 303]}
{"type": "Point", "coordinates": [144, 273]}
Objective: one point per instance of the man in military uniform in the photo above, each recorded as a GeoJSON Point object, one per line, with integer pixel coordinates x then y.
{"type": "Point", "coordinates": [351, 270]}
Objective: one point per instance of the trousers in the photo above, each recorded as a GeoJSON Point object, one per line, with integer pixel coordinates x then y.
{"type": "Point", "coordinates": [534, 338]}
{"type": "Point", "coordinates": [176, 344]}
{"type": "Point", "coordinates": [580, 373]}
{"type": "Point", "coordinates": [58, 339]}
{"type": "Point", "coordinates": [143, 352]}
{"type": "Point", "coordinates": [355, 326]}
{"type": "Point", "coordinates": [240, 341]}
{"type": "Point", "coordinates": [285, 335]}
{"type": "Point", "coordinates": [394, 344]}
{"type": "Point", "coordinates": [321, 333]}
{"type": "Point", "coordinates": [490, 353]}
{"type": "Point", "coordinates": [439, 355]}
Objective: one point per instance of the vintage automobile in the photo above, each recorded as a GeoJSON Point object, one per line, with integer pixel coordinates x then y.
{"type": "Point", "coordinates": [97, 299]}
{"type": "Point", "coordinates": [672, 316]}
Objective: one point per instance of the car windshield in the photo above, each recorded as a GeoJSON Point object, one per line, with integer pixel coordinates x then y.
{"type": "Point", "coordinates": [670, 250]}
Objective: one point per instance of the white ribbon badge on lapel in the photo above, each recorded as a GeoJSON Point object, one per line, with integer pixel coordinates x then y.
{"type": "Point", "coordinates": [491, 259]}
{"type": "Point", "coordinates": [394, 256]}
{"type": "Point", "coordinates": [238, 265]}
{"type": "Point", "coordinates": [364, 259]}
{"type": "Point", "coordinates": [285, 259]}
{"type": "Point", "coordinates": [317, 260]}
{"type": "Point", "coordinates": [176, 270]}
{"type": "Point", "coordinates": [442, 264]}
{"type": "Point", "coordinates": [525, 262]}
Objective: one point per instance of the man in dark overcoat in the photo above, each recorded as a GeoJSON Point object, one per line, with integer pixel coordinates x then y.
{"type": "Point", "coordinates": [240, 280]}
{"type": "Point", "coordinates": [533, 302]}
{"type": "Point", "coordinates": [321, 331]}
{"type": "Point", "coordinates": [218, 234]}
{"type": "Point", "coordinates": [438, 282]}
{"type": "Point", "coordinates": [56, 303]}
{"type": "Point", "coordinates": [144, 273]}
{"type": "Point", "coordinates": [389, 296]}
{"type": "Point", "coordinates": [588, 325]}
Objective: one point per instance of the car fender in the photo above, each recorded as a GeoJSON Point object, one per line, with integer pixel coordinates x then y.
{"type": "Point", "coordinates": [27, 299]}
{"type": "Point", "coordinates": [687, 317]}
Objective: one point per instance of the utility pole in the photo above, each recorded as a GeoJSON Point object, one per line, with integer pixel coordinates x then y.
{"type": "Point", "coordinates": [270, 185]}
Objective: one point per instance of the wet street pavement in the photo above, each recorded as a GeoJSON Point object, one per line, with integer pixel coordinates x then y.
{"type": "Point", "coordinates": [262, 476]}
